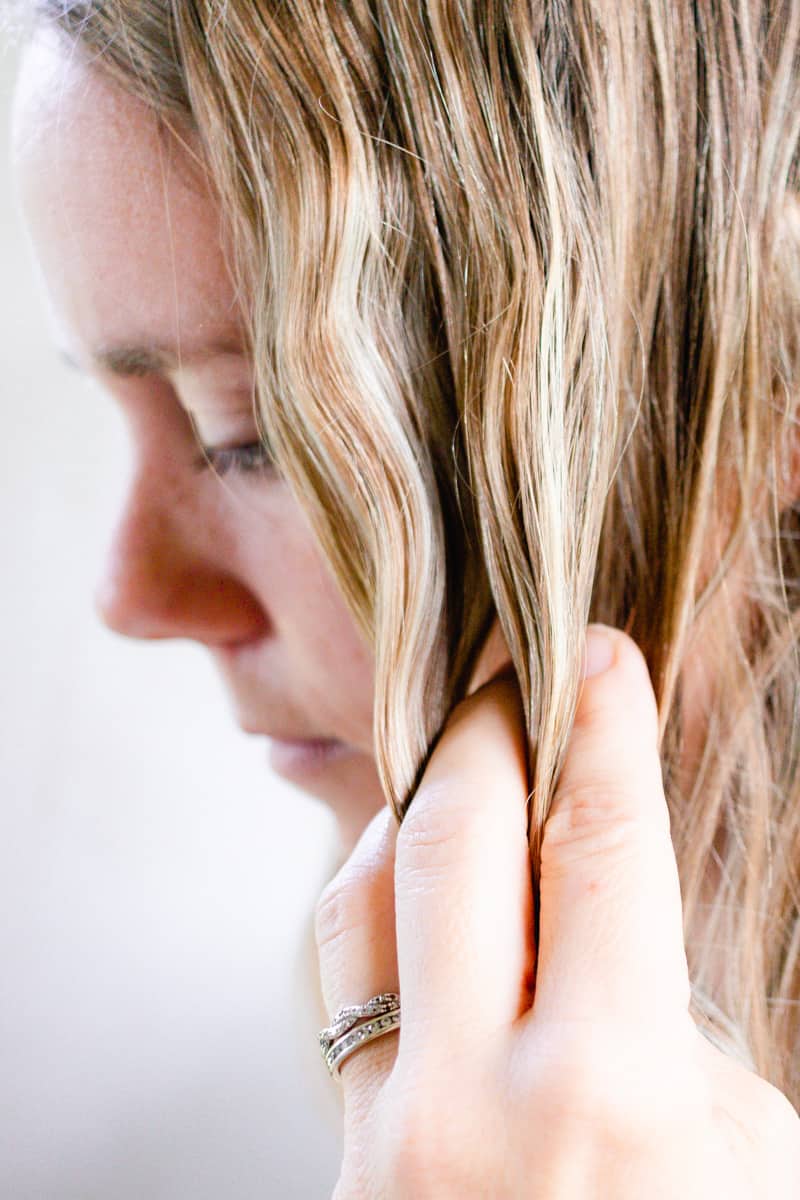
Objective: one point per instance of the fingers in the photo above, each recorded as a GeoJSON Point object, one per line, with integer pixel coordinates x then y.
{"type": "Point", "coordinates": [610, 934]}
{"type": "Point", "coordinates": [464, 923]}
{"type": "Point", "coordinates": [356, 939]}
{"type": "Point", "coordinates": [611, 939]}
{"type": "Point", "coordinates": [463, 892]}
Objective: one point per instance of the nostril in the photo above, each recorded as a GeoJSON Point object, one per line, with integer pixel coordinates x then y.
{"type": "Point", "coordinates": [166, 574]}
{"type": "Point", "coordinates": [177, 595]}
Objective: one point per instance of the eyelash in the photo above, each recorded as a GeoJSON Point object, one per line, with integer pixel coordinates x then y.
{"type": "Point", "coordinates": [245, 460]}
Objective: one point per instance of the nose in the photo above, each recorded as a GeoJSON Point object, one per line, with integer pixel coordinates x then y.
{"type": "Point", "coordinates": [166, 575]}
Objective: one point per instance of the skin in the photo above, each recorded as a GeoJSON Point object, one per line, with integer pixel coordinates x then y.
{"type": "Point", "coordinates": [127, 237]}
{"type": "Point", "coordinates": [568, 1069]}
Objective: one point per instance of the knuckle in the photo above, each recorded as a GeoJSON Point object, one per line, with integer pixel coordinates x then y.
{"type": "Point", "coordinates": [408, 1150]}
{"type": "Point", "coordinates": [777, 1119]}
{"type": "Point", "coordinates": [361, 890]}
{"type": "Point", "coordinates": [574, 1075]}
{"type": "Point", "coordinates": [429, 823]}
{"type": "Point", "coordinates": [610, 1090]}
{"type": "Point", "coordinates": [329, 918]}
{"type": "Point", "coordinates": [418, 1145]}
{"type": "Point", "coordinates": [342, 906]}
{"type": "Point", "coordinates": [411, 1154]}
{"type": "Point", "coordinates": [591, 816]}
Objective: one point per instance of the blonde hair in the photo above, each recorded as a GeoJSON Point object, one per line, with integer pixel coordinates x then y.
{"type": "Point", "coordinates": [523, 287]}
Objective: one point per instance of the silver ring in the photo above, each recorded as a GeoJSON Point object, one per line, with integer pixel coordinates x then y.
{"type": "Point", "coordinates": [356, 1025]}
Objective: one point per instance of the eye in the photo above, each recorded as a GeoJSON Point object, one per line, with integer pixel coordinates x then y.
{"type": "Point", "coordinates": [249, 459]}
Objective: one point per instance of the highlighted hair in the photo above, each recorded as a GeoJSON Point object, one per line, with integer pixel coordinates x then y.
{"type": "Point", "coordinates": [522, 282]}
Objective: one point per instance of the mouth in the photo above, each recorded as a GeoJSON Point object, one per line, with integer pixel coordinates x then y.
{"type": "Point", "coordinates": [294, 757]}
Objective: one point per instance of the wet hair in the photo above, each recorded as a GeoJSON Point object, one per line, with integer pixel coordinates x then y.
{"type": "Point", "coordinates": [522, 284]}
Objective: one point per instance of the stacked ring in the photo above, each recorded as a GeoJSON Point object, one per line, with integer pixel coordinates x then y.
{"type": "Point", "coordinates": [356, 1025]}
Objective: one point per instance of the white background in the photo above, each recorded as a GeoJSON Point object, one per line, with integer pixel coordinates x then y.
{"type": "Point", "coordinates": [157, 987]}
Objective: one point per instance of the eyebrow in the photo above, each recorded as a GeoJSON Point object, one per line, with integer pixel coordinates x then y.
{"type": "Point", "coordinates": [152, 359]}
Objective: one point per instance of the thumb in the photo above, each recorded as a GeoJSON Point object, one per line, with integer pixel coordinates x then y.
{"type": "Point", "coordinates": [611, 929]}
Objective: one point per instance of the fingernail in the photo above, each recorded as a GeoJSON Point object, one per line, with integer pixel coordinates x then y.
{"type": "Point", "coordinates": [600, 652]}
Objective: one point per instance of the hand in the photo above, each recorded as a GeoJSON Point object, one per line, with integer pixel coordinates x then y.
{"type": "Point", "coordinates": [596, 1087]}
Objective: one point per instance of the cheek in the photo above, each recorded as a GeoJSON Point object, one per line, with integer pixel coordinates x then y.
{"type": "Point", "coordinates": [319, 642]}
{"type": "Point", "coordinates": [325, 640]}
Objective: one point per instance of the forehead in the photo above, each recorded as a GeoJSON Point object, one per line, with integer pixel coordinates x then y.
{"type": "Point", "coordinates": [124, 222]}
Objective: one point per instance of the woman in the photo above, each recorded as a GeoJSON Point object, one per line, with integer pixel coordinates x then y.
{"type": "Point", "coordinates": [515, 291]}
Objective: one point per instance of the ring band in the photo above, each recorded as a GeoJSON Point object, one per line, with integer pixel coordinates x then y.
{"type": "Point", "coordinates": [356, 1025]}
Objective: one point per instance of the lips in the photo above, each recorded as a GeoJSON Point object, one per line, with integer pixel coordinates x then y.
{"type": "Point", "coordinates": [299, 756]}
{"type": "Point", "coordinates": [293, 751]}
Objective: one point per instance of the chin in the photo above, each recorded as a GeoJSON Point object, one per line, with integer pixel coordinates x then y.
{"type": "Point", "coordinates": [341, 777]}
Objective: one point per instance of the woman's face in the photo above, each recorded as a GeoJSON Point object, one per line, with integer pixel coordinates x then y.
{"type": "Point", "coordinates": [128, 239]}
